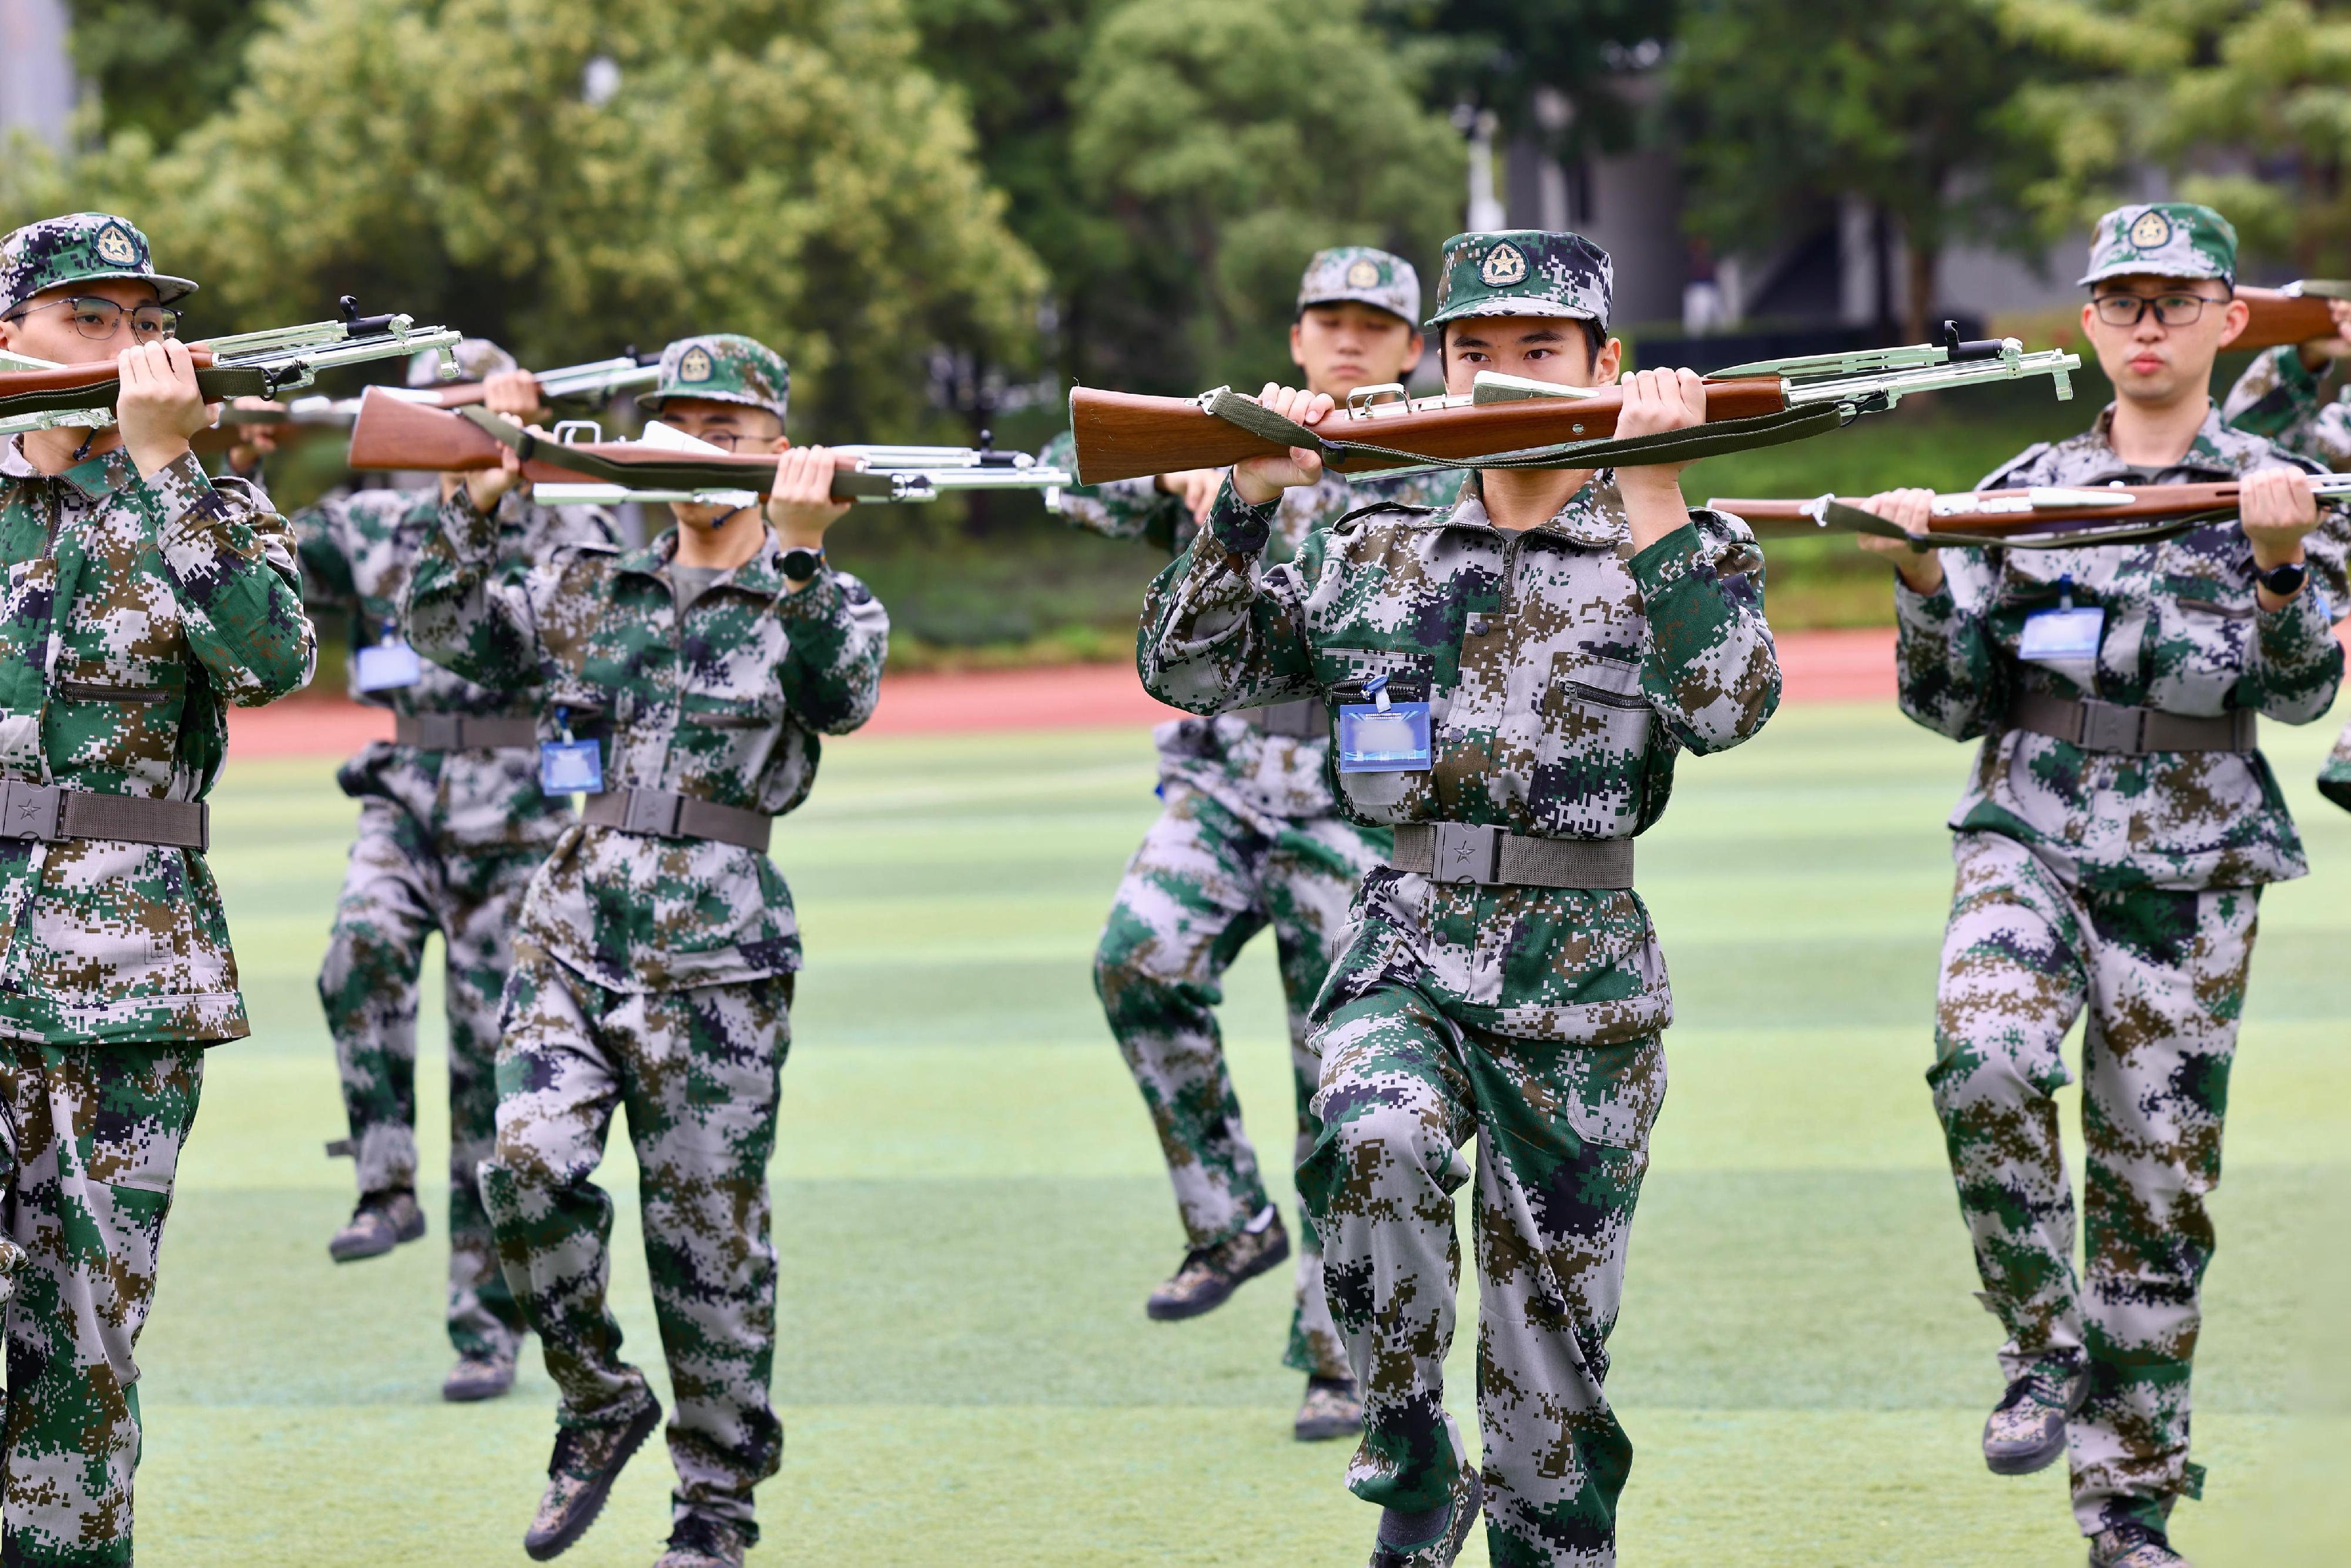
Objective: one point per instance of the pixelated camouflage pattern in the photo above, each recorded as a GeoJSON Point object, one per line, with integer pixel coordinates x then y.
{"type": "Point", "coordinates": [89, 1144]}
{"type": "Point", "coordinates": [1205, 881]}
{"type": "Point", "coordinates": [2182, 635]}
{"type": "Point", "coordinates": [1524, 272]}
{"type": "Point", "coordinates": [2161, 972]}
{"type": "Point", "coordinates": [1563, 1144]}
{"type": "Point", "coordinates": [2163, 239]}
{"type": "Point", "coordinates": [404, 884]}
{"type": "Point", "coordinates": [135, 611]}
{"type": "Point", "coordinates": [477, 359]}
{"type": "Point", "coordinates": [81, 247]}
{"type": "Point", "coordinates": [2278, 397]}
{"type": "Point", "coordinates": [697, 1070]}
{"type": "Point", "coordinates": [1564, 673]}
{"type": "Point", "coordinates": [1359, 272]}
{"type": "Point", "coordinates": [726, 367]}
{"type": "Point", "coordinates": [722, 702]}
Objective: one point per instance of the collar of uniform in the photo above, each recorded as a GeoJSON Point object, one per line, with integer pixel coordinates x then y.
{"type": "Point", "coordinates": [2217, 449]}
{"type": "Point", "coordinates": [94, 477]}
{"type": "Point", "coordinates": [1585, 520]}
{"type": "Point", "coordinates": [758, 575]}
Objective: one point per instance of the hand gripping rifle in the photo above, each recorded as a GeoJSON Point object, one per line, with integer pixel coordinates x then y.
{"type": "Point", "coordinates": [575, 466]}
{"type": "Point", "coordinates": [243, 364]}
{"type": "Point", "coordinates": [2039, 518]}
{"type": "Point", "coordinates": [1506, 421]}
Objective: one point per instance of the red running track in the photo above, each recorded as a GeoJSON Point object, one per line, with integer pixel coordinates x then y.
{"type": "Point", "coordinates": [1817, 666]}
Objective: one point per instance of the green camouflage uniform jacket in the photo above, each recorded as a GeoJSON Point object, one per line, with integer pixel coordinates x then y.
{"type": "Point", "coordinates": [136, 609]}
{"type": "Point", "coordinates": [1564, 673]}
{"type": "Point", "coordinates": [2182, 635]}
{"type": "Point", "coordinates": [723, 702]}
{"type": "Point", "coordinates": [1227, 758]}
{"type": "Point", "coordinates": [357, 550]}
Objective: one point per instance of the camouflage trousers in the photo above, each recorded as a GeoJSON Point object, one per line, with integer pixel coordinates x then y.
{"type": "Point", "coordinates": [2163, 977]}
{"type": "Point", "coordinates": [1563, 1137]}
{"type": "Point", "coordinates": [89, 1143]}
{"type": "Point", "coordinates": [401, 886]}
{"type": "Point", "coordinates": [697, 1070]}
{"type": "Point", "coordinates": [1203, 882]}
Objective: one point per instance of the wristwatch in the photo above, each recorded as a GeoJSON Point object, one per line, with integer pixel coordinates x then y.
{"type": "Point", "coordinates": [2284, 580]}
{"type": "Point", "coordinates": [800, 564]}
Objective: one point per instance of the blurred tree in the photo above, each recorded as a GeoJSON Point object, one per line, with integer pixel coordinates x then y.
{"type": "Point", "coordinates": [162, 65]}
{"type": "Point", "coordinates": [1530, 60]}
{"type": "Point", "coordinates": [783, 168]}
{"type": "Point", "coordinates": [1786, 106]}
{"type": "Point", "coordinates": [2248, 100]}
{"type": "Point", "coordinates": [1228, 139]}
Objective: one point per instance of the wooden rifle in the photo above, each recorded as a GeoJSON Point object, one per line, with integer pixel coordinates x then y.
{"type": "Point", "coordinates": [2042, 516]}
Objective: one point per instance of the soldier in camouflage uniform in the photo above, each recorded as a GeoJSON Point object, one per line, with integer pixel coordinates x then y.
{"type": "Point", "coordinates": [656, 947]}
{"type": "Point", "coordinates": [142, 599]}
{"type": "Point", "coordinates": [1249, 838]}
{"type": "Point", "coordinates": [2112, 846]}
{"type": "Point", "coordinates": [452, 825]}
{"type": "Point", "coordinates": [1562, 636]}
{"type": "Point", "coordinates": [2278, 397]}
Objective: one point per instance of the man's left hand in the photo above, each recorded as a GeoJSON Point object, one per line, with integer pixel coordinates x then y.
{"type": "Point", "coordinates": [2276, 507]}
{"type": "Point", "coordinates": [800, 507]}
{"type": "Point", "coordinates": [1656, 402]}
{"type": "Point", "coordinates": [159, 408]}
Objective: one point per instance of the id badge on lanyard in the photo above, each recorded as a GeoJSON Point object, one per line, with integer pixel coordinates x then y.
{"type": "Point", "coordinates": [388, 665]}
{"type": "Point", "coordinates": [2065, 639]}
{"type": "Point", "coordinates": [570, 766]}
{"type": "Point", "coordinates": [1383, 735]}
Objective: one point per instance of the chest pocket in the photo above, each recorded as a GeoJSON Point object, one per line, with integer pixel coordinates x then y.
{"type": "Point", "coordinates": [1343, 671]}
{"type": "Point", "coordinates": [1592, 763]}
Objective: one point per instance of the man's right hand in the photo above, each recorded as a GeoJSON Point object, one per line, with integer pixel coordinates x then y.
{"type": "Point", "coordinates": [2317, 352]}
{"type": "Point", "coordinates": [485, 487]}
{"type": "Point", "coordinates": [514, 394]}
{"type": "Point", "coordinates": [1909, 510]}
{"type": "Point", "coordinates": [1258, 480]}
{"type": "Point", "coordinates": [254, 442]}
{"type": "Point", "coordinates": [1196, 487]}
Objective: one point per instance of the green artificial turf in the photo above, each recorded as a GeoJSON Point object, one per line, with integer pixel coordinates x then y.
{"type": "Point", "coordinates": [970, 1209]}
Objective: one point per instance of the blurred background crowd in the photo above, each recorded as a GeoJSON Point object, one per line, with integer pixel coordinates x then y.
{"type": "Point", "coordinates": [945, 212]}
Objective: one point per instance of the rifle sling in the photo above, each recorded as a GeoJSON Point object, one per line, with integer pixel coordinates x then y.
{"type": "Point", "coordinates": [1714, 439]}
{"type": "Point", "coordinates": [1854, 520]}
{"type": "Point", "coordinates": [218, 383]}
{"type": "Point", "coordinates": [678, 472]}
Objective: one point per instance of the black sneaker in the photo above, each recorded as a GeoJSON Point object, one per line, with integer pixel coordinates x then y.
{"type": "Point", "coordinates": [1334, 1408]}
{"type": "Point", "coordinates": [382, 1222]}
{"type": "Point", "coordinates": [1468, 1496]}
{"type": "Point", "coordinates": [699, 1541]}
{"type": "Point", "coordinates": [1211, 1274]}
{"type": "Point", "coordinates": [2026, 1430]}
{"type": "Point", "coordinates": [2134, 1545]}
{"type": "Point", "coordinates": [580, 1477]}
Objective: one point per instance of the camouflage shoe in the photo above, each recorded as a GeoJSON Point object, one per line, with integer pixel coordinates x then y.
{"type": "Point", "coordinates": [475, 1377]}
{"type": "Point", "coordinates": [2134, 1545]}
{"type": "Point", "coordinates": [699, 1541]}
{"type": "Point", "coordinates": [11, 1257]}
{"type": "Point", "coordinates": [382, 1222]}
{"type": "Point", "coordinates": [1468, 1496]}
{"type": "Point", "coordinates": [2026, 1431]}
{"type": "Point", "coordinates": [1210, 1274]}
{"type": "Point", "coordinates": [1333, 1408]}
{"type": "Point", "coordinates": [580, 1477]}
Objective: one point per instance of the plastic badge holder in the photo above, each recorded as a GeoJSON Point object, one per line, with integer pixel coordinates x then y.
{"type": "Point", "coordinates": [388, 666]}
{"type": "Point", "coordinates": [570, 766]}
{"type": "Point", "coordinates": [2066, 634]}
{"type": "Point", "coordinates": [1384, 736]}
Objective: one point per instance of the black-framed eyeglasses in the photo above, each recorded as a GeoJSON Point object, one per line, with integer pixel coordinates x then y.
{"type": "Point", "coordinates": [101, 319]}
{"type": "Point", "coordinates": [735, 440]}
{"type": "Point", "coordinates": [2171, 309]}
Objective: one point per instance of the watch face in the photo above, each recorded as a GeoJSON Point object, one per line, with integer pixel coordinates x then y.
{"type": "Point", "coordinates": [800, 565]}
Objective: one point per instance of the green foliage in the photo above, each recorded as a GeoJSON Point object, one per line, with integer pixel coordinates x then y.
{"type": "Point", "coordinates": [783, 168]}
{"type": "Point", "coordinates": [2167, 82]}
{"type": "Point", "coordinates": [1229, 138]}
{"type": "Point", "coordinates": [1788, 105]}
{"type": "Point", "coordinates": [1507, 55]}
{"type": "Point", "coordinates": [162, 65]}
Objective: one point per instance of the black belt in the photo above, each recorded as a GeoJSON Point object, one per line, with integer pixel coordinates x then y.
{"type": "Point", "coordinates": [1306, 719]}
{"type": "Point", "coordinates": [460, 732]}
{"type": "Point", "coordinates": [2095, 725]}
{"type": "Point", "coordinates": [49, 812]}
{"type": "Point", "coordinates": [1455, 852]}
{"type": "Point", "coordinates": [665, 813]}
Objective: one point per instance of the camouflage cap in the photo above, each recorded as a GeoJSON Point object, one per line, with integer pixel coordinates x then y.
{"type": "Point", "coordinates": [81, 247]}
{"type": "Point", "coordinates": [1359, 272]}
{"type": "Point", "coordinates": [1524, 272]}
{"type": "Point", "coordinates": [2163, 239]}
{"type": "Point", "coordinates": [725, 367]}
{"type": "Point", "coordinates": [478, 360]}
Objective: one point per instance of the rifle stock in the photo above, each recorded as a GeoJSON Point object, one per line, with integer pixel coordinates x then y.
{"type": "Point", "coordinates": [2010, 511]}
{"type": "Point", "coordinates": [1126, 435]}
{"type": "Point", "coordinates": [2280, 316]}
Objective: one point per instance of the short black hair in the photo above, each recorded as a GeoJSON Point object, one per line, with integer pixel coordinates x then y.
{"type": "Point", "coordinates": [1596, 336]}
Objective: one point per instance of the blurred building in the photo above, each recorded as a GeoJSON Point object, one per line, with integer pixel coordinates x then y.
{"type": "Point", "coordinates": [37, 87]}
